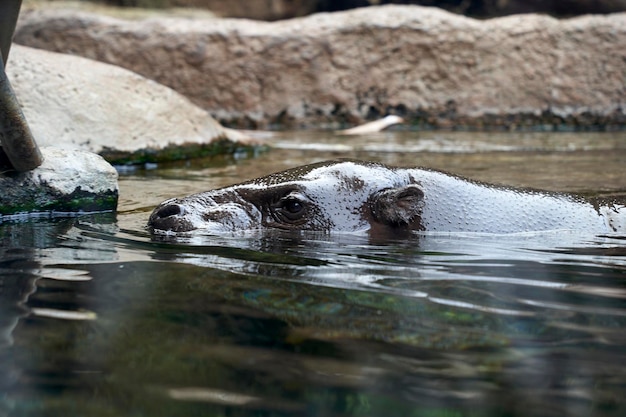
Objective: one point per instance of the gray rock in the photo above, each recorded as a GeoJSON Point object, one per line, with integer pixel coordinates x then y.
{"type": "Point", "coordinates": [77, 103]}
{"type": "Point", "coordinates": [429, 66]}
{"type": "Point", "coordinates": [68, 182]}
{"type": "Point", "coordinates": [283, 9]}
{"type": "Point", "coordinates": [252, 9]}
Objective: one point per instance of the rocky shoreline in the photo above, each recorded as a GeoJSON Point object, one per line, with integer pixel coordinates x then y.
{"type": "Point", "coordinates": [433, 68]}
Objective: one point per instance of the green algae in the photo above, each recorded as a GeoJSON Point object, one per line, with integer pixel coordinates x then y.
{"type": "Point", "coordinates": [172, 153]}
{"type": "Point", "coordinates": [41, 200]}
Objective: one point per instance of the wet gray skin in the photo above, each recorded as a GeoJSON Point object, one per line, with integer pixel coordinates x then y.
{"type": "Point", "coordinates": [354, 196]}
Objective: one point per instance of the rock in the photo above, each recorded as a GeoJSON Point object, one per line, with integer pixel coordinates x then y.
{"type": "Point", "coordinates": [255, 9]}
{"type": "Point", "coordinates": [68, 181]}
{"type": "Point", "coordinates": [77, 103]}
{"type": "Point", "coordinates": [249, 9]}
{"type": "Point", "coordinates": [426, 65]}
{"type": "Point", "coordinates": [282, 9]}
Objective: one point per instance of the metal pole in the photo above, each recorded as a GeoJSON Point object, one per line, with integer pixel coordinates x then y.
{"type": "Point", "coordinates": [9, 10]}
{"type": "Point", "coordinates": [17, 141]}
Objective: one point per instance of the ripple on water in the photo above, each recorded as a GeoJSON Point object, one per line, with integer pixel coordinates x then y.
{"type": "Point", "coordinates": [99, 318]}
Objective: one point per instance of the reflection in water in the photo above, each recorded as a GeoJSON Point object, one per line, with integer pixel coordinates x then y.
{"type": "Point", "coordinates": [21, 249]}
{"type": "Point", "coordinates": [316, 325]}
{"type": "Point", "coordinates": [96, 318]}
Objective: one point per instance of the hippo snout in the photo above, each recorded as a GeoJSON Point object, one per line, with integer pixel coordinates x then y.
{"type": "Point", "coordinates": [187, 214]}
{"type": "Point", "coordinates": [169, 216]}
{"type": "Point", "coordinates": [169, 210]}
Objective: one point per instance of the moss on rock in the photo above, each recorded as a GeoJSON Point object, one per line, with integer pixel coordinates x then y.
{"type": "Point", "coordinates": [176, 152]}
{"type": "Point", "coordinates": [67, 182]}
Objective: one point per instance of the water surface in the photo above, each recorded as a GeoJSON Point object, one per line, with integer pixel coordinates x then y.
{"type": "Point", "coordinates": [99, 319]}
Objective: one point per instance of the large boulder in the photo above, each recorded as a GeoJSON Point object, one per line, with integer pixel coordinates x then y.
{"type": "Point", "coordinates": [251, 9]}
{"type": "Point", "coordinates": [76, 103]}
{"type": "Point", "coordinates": [282, 9]}
{"type": "Point", "coordinates": [427, 65]}
{"type": "Point", "coordinates": [68, 181]}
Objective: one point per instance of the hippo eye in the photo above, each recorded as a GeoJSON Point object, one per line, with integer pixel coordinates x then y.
{"type": "Point", "coordinates": [293, 206]}
{"type": "Point", "coordinates": [290, 209]}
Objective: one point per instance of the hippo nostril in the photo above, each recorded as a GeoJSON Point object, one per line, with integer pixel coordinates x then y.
{"type": "Point", "coordinates": [170, 210]}
{"type": "Point", "coordinates": [170, 217]}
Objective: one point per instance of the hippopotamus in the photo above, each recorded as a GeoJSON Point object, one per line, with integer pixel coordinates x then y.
{"type": "Point", "coordinates": [357, 196]}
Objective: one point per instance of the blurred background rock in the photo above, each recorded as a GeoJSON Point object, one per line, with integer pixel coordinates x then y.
{"type": "Point", "coordinates": [284, 9]}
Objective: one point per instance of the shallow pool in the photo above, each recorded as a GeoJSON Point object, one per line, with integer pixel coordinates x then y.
{"type": "Point", "coordinates": [99, 319]}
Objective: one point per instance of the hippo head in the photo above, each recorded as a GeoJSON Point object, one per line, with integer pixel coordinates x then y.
{"type": "Point", "coordinates": [329, 196]}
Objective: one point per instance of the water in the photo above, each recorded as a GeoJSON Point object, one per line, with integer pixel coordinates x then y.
{"type": "Point", "coordinates": [99, 319]}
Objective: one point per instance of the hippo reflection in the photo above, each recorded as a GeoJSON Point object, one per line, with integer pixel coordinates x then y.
{"type": "Point", "coordinates": [354, 196]}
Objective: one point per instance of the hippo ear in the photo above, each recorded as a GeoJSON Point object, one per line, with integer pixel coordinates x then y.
{"type": "Point", "coordinates": [397, 206]}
